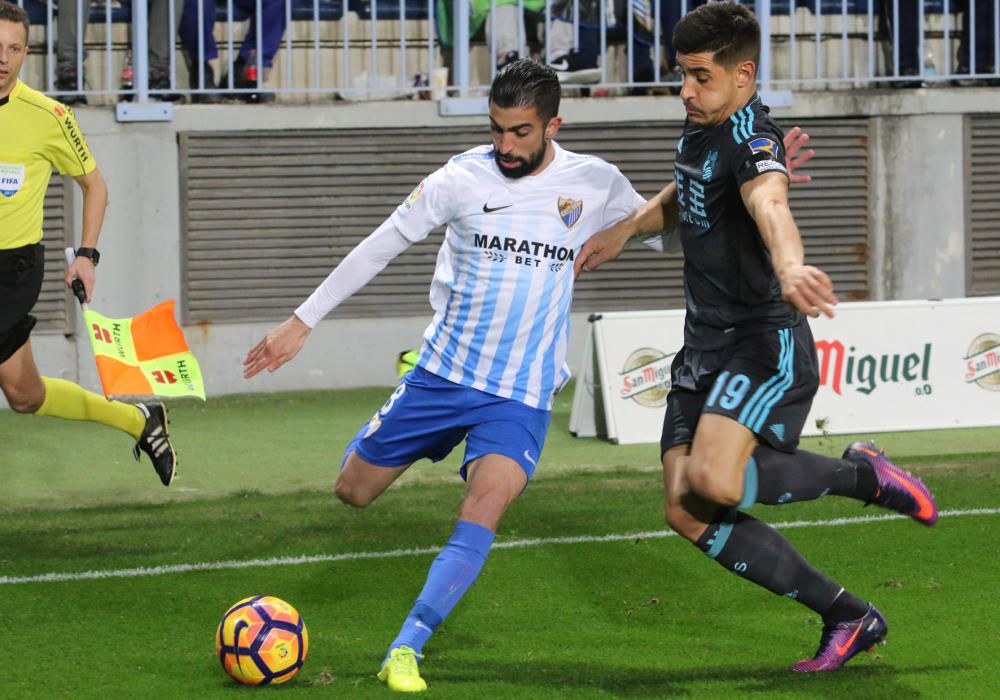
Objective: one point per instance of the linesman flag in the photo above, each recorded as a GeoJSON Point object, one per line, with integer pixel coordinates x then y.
{"type": "Point", "coordinates": [145, 355]}
{"type": "Point", "coordinates": [142, 356]}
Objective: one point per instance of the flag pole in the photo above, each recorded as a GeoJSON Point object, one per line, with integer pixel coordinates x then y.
{"type": "Point", "coordinates": [77, 285]}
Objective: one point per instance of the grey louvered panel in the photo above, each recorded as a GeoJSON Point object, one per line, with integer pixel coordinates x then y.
{"type": "Point", "coordinates": [832, 213]}
{"type": "Point", "coordinates": [983, 206]}
{"type": "Point", "coordinates": [267, 215]}
{"type": "Point", "coordinates": [52, 307]}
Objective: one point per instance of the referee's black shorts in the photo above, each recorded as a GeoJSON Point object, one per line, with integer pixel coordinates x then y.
{"type": "Point", "coordinates": [21, 272]}
{"type": "Point", "coordinates": [766, 381]}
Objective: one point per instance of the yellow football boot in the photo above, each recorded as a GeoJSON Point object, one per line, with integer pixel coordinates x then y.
{"type": "Point", "coordinates": [401, 673]}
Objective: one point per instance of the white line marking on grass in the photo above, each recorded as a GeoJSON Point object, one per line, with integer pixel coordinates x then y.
{"type": "Point", "coordinates": [394, 553]}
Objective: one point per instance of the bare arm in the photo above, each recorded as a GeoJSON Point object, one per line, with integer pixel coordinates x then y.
{"type": "Point", "coordinates": [808, 288]}
{"type": "Point", "coordinates": [661, 213]}
{"type": "Point", "coordinates": [658, 214]}
{"type": "Point", "coordinates": [95, 202]}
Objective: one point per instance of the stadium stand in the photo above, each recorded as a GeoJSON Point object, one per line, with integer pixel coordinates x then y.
{"type": "Point", "coordinates": [333, 46]}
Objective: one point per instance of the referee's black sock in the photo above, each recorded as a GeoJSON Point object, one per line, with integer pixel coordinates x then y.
{"type": "Point", "coordinates": [783, 477]}
{"type": "Point", "coordinates": [757, 552]}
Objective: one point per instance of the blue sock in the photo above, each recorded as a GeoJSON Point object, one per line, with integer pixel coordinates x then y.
{"type": "Point", "coordinates": [450, 576]}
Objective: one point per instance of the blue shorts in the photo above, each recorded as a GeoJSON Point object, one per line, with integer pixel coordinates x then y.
{"type": "Point", "coordinates": [427, 416]}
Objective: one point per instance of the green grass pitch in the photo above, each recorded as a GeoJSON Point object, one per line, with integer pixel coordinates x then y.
{"type": "Point", "coordinates": [636, 615]}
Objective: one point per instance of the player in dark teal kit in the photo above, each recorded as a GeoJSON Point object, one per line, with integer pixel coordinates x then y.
{"type": "Point", "coordinates": [744, 381]}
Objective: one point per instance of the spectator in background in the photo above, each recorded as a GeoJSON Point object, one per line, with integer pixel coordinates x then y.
{"type": "Point", "coordinates": [579, 65]}
{"type": "Point", "coordinates": [245, 69]}
{"type": "Point", "coordinates": [979, 15]}
{"type": "Point", "coordinates": [505, 26]}
{"type": "Point", "coordinates": [73, 16]}
{"type": "Point", "coordinates": [977, 18]}
{"type": "Point", "coordinates": [505, 31]}
{"type": "Point", "coordinates": [671, 13]}
{"type": "Point", "coordinates": [905, 24]}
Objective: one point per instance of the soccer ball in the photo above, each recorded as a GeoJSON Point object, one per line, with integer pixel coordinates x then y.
{"type": "Point", "coordinates": [261, 640]}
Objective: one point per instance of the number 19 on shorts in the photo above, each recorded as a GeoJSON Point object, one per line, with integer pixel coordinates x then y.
{"type": "Point", "coordinates": [728, 391]}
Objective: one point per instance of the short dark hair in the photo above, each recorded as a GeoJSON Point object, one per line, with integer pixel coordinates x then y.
{"type": "Point", "coordinates": [9, 12]}
{"type": "Point", "coordinates": [527, 83]}
{"type": "Point", "coordinates": [725, 29]}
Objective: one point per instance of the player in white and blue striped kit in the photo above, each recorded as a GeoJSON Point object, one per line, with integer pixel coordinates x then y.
{"type": "Point", "coordinates": [492, 359]}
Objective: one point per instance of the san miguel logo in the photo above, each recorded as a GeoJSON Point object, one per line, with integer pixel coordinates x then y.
{"type": "Point", "coordinates": [840, 368]}
{"type": "Point", "coordinates": [645, 377]}
{"type": "Point", "coordinates": [570, 210]}
{"type": "Point", "coordinates": [982, 362]}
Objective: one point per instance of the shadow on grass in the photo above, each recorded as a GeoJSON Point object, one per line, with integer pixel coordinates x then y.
{"type": "Point", "coordinates": [879, 680]}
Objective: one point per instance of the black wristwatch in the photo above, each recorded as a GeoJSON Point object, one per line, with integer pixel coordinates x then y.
{"type": "Point", "coordinates": [92, 253]}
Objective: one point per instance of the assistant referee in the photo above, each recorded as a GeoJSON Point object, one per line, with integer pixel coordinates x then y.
{"type": "Point", "coordinates": [37, 134]}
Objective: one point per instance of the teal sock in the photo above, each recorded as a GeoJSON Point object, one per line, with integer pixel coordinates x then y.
{"type": "Point", "coordinates": [773, 477]}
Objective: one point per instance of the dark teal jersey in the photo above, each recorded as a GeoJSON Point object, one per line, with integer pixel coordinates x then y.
{"type": "Point", "coordinates": [729, 283]}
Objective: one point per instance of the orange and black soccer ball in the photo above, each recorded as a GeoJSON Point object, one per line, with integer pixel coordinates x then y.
{"type": "Point", "coordinates": [262, 640]}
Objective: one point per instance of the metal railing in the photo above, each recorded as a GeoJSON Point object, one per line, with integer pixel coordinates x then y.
{"type": "Point", "coordinates": [302, 50]}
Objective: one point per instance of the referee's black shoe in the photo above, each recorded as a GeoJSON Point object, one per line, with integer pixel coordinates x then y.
{"type": "Point", "coordinates": [155, 442]}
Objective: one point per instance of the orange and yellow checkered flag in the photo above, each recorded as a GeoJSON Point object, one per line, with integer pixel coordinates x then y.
{"type": "Point", "coordinates": [145, 355]}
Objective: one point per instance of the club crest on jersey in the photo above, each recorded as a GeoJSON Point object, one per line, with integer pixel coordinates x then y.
{"type": "Point", "coordinates": [709, 165]}
{"type": "Point", "coordinates": [570, 210]}
{"type": "Point", "coordinates": [764, 146]}
{"type": "Point", "coordinates": [11, 178]}
{"type": "Point", "coordinates": [414, 196]}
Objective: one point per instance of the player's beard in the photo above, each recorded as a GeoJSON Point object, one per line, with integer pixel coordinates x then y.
{"type": "Point", "coordinates": [527, 165]}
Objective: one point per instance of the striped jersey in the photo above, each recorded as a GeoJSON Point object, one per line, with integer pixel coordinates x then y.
{"type": "Point", "coordinates": [504, 277]}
